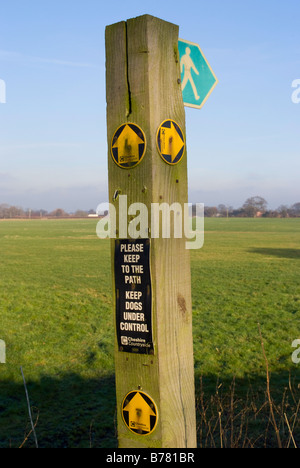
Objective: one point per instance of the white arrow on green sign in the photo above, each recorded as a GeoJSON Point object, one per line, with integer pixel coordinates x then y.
{"type": "Point", "coordinates": [197, 77]}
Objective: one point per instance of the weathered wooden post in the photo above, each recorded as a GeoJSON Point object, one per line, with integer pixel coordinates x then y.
{"type": "Point", "coordinates": [147, 162]}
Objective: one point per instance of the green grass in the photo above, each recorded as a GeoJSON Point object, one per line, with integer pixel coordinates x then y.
{"type": "Point", "coordinates": [57, 321]}
{"type": "Point", "coordinates": [247, 273]}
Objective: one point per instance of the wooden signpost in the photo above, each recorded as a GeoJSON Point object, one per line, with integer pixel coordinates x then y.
{"type": "Point", "coordinates": [147, 162]}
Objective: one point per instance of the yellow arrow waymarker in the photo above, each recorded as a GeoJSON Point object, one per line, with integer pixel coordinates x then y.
{"type": "Point", "coordinates": [139, 413]}
{"type": "Point", "coordinates": [128, 146]}
{"type": "Point", "coordinates": [170, 142]}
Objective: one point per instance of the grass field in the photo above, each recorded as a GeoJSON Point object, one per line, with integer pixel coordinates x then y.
{"type": "Point", "coordinates": [57, 321]}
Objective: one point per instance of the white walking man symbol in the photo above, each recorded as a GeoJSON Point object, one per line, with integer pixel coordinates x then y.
{"type": "Point", "coordinates": [188, 65]}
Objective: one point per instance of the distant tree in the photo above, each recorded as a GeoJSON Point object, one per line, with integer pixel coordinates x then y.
{"type": "Point", "coordinates": [283, 211]}
{"type": "Point", "coordinates": [249, 211]}
{"type": "Point", "coordinates": [254, 205]}
{"type": "Point", "coordinates": [222, 210]}
{"type": "Point", "coordinates": [81, 214]}
{"type": "Point", "coordinates": [10, 212]}
{"type": "Point", "coordinates": [4, 210]}
{"type": "Point", "coordinates": [271, 214]}
{"type": "Point", "coordinates": [210, 211]}
{"type": "Point", "coordinates": [295, 209]}
{"type": "Point", "coordinates": [59, 213]}
{"type": "Point", "coordinates": [38, 213]}
{"type": "Point", "coordinates": [225, 210]}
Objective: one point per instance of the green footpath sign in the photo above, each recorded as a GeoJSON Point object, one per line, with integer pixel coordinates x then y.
{"type": "Point", "coordinates": [197, 78]}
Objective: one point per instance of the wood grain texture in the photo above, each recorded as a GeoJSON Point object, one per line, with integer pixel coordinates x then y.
{"type": "Point", "coordinates": [143, 87]}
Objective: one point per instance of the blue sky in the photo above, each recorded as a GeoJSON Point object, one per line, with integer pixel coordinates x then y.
{"type": "Point", "coordinates": [244, 142]}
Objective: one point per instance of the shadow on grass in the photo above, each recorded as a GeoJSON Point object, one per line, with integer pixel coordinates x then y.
{"type": "Point", "coordinates": [73, 413]}
{"type": "Point", "coordinates": [281, 253]}
{"type": "Point", "coordinates": [237, 413]}
{"type": "Point", "coordinates": [81, 413]}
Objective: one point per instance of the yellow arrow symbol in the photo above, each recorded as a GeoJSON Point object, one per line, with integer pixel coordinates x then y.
{"type": "Point", "coordinates": [139, 413]}
{"type": "Point", "coordinates": [171, 142]}
{"type": "Point", "coordinates": [128, 146]}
